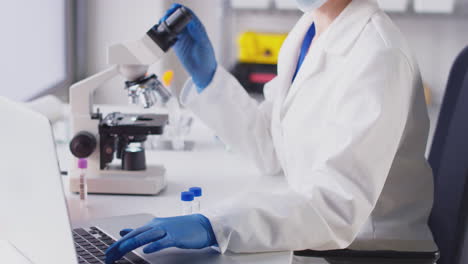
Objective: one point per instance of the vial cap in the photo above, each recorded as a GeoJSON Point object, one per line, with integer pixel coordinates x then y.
{"type": "Point", "coordinates": [197, 191]}
{"type": "Point", "coordinates": [82, 163]}
{"type": "Point", "coordinates": [187, 196]}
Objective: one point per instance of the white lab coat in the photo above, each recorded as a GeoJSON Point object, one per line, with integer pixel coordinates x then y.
{"type": "Point", "coordinates": [349, 134]}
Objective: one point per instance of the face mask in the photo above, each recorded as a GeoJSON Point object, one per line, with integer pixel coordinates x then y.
{"type": "Point", "coordinates": [309, 5]}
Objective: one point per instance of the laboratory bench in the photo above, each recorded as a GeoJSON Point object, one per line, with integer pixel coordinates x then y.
{"type": "Point", "coordinates": [209, 165]}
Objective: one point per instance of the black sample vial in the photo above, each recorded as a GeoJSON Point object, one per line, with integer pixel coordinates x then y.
{"type": "Point", "coordinates": [165, 34]}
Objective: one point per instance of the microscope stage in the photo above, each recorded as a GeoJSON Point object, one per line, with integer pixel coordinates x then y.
{"type": "Point", "coordinates": [149, 182]}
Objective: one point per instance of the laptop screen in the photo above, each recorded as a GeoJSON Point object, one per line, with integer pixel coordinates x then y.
{"type": "Point", "coordinates": [33, 210]}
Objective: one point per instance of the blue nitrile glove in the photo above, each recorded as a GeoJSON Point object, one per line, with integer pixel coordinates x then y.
{"type": "Point", "coordinates": [195, 51]}
{"type": "Point", "coordinates": [187, 232]}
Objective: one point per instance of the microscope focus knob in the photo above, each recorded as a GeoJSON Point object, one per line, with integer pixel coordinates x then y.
{"type": "Point", "coordinates": [83, 144]}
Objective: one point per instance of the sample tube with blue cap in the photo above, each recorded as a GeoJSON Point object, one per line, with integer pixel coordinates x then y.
{"type": "Point", "coordinates": [187, 199]}
{"type": "Point", "coordinates": [197, 192]}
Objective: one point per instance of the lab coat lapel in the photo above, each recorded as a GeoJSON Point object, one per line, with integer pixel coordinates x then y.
{"type": "Point", "coordinates": [336, 40]}
{"type": "Point", "coordinates": [288, 57]}
{"type": "Point", "coordinates": [312, 65]}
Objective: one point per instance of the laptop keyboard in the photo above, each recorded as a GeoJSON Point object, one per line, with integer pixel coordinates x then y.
{"type": "Point", "coordinates": [92, 244]}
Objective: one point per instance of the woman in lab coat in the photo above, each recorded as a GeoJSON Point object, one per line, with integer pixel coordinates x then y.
{"type": "Point", "coordinates": [346, 122]}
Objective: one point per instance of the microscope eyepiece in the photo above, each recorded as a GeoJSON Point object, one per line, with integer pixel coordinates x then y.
{"type": "Point", "coordinates": [165, 34]}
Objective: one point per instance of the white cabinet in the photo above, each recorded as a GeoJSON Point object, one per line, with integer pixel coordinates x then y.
{"type": "Point", "coordinates": [286, 4]}
{"type": "Point", "coordinates": [251, 4]}
{"type": "Point", "coordinates": [394, 5]}
{"type": "Point", "coordinates": [420, 6]}
{"type": "Point", "coordinates": [434, 6]}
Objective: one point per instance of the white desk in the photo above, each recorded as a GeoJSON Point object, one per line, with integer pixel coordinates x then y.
{"type": "Point", "coordinates": [220, 174]}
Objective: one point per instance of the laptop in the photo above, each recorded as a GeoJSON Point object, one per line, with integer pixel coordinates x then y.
{"type": "Point", "coordinates": [33, 208]}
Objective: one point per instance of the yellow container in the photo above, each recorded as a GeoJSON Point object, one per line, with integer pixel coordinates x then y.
{"type": "Point", "coordinates": [260, 48]}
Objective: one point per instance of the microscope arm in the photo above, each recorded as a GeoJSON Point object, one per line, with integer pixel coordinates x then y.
{"type": "Point", "coordinates": [81, 93]}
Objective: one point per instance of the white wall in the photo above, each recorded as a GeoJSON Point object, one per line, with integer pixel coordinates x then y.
{"type": "Point", "coordinates": [436, 40]}
{"type": "Point", "coordinates": [110, 21]}
{"type": "Point", "coordinates": [33, 59]}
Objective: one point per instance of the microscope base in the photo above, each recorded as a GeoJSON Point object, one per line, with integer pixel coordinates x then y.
{"type": "Point", "coordinates": [149, 182]}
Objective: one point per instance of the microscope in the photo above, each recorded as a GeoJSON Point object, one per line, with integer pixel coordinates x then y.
{"type": "Point", "coordinates": [113, 144]}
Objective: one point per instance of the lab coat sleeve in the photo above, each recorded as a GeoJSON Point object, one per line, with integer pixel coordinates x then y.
{"type": "Point", "coordinates": [335, 174]}
{"type": "Point", "coordinates": [237, 119]}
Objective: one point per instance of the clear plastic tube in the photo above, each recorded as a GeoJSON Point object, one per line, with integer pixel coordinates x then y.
{"type": "Point", "coordinates": [175, 115]}
{"type": "Point", "coordinates": [197, 193]}
{"type": "Point", "coordinates": [83, 188]}
{"type": "Point", "coordinates": [186, 198]}
{"type": "Point", "coordinates": [196, 205]}
{"type": "Point", "coordinates": [186, 208]}
{"type": "Point", "coordinates": [82, 166]}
